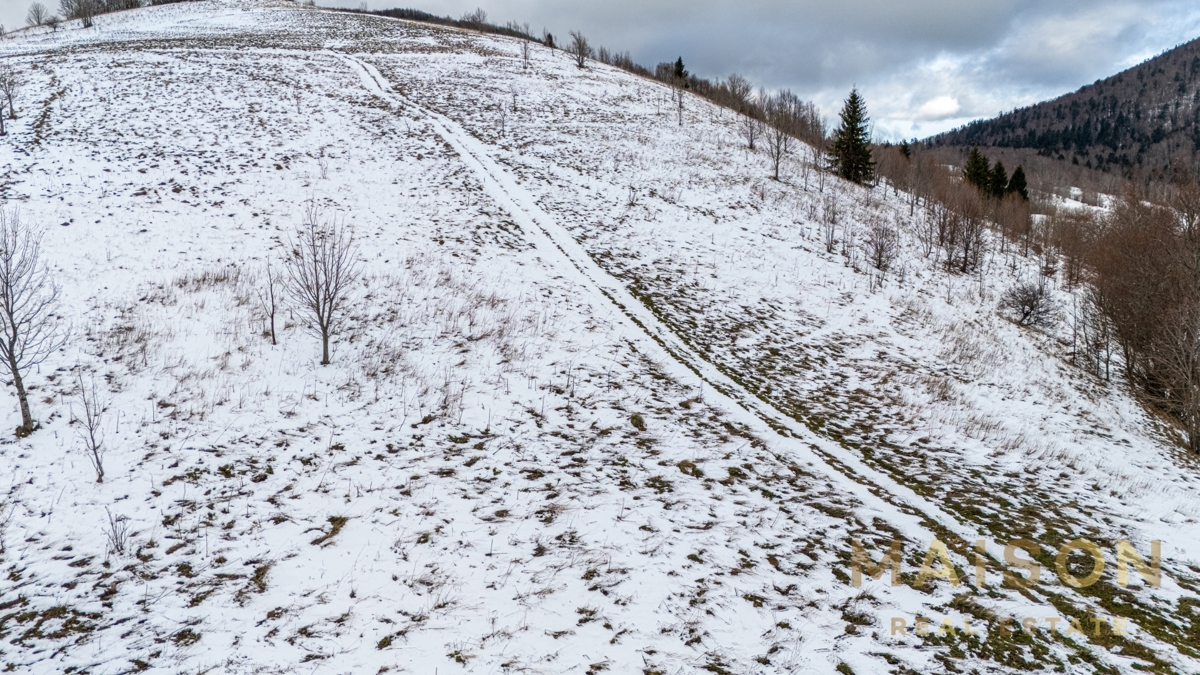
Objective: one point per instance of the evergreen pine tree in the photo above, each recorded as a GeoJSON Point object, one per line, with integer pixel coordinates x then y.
{"type": "Point", "coordinates": [906, 149]}
{"type": "Point", "coordinates": [999, 181]}
{"type": "Point", "coordinates": [1017, 184]}
{"type": "Point", "coordinates": [681, 73]}
{"type": "Point", "coordinates": [851, 151]}
{"type": "Point", "coordinates": [977, 171]}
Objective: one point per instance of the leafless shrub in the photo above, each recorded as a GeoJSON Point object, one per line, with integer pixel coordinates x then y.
{"type": "Point", "coordinates": [323, 164]}
{"type": "Point", "coordinates": [579, 49]}
{"type": "Point", "coordinates": [8, 509]}
{"type": "Point", "coordinates": [321, 268]}
{"type": "Point", "coordinates": [677, 99]}
{"type": "Point", "coordinates": [29, 327]}
{"type": "Point", "coordinates": [829, 223]}
{"type": "Point", "coordinates": [269, 293]}
{"type": "Point", "coordinates": [816, 162]}
{"type": "Point", "coordinates": [37, 14]}
{"type": "Point", "coordinates": [881, 243]}
{"type": "Point", "coordinates": [116, 531]}
{"type": "Point", "coordinates": [93, 417]}
{"type": "Point", "coordinates": [1030, 302]}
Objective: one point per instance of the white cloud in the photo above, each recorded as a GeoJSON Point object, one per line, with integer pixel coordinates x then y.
{"type": "Point", "coordinates": [938, 108]}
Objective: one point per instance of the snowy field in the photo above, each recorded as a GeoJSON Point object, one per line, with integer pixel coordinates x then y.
{"type": "Point", "coordinates": [605, 400]}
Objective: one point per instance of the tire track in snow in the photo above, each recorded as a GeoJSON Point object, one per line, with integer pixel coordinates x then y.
{"type": "Point", "coordinates": [558, 247]}
{"type": "Point", "coordinates": [880, 495]}
{"type": "Point", "coordinates": [649, 335]}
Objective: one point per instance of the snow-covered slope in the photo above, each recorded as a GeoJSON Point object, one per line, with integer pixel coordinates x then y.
{"type": "Point", "coordinates": [604, 401]}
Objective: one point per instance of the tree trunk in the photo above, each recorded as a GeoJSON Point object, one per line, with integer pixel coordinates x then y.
{"type": "Point", "coordinates": [325, 347]}
{"type": "Point", "coordinates": [26, 418]}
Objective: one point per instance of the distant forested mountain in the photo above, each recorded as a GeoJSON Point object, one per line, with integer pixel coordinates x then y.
{"type": "Point", "coordinates": [1141, 123]}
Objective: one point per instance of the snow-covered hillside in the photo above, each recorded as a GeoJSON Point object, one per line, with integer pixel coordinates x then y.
{"type": "Point", "coordinates": [605, 401]}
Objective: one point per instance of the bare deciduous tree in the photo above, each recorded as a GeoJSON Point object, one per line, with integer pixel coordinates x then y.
{"type": "Point", "coordinates": [778, 130]}
{"type": "Point", "coordinates": [84, 10]}
{"type": "Point", "coordinates": [1177, 357]}
{"type": "Point", "coordinates": [739, 90]}
{"type": "Point", "coordinates": [90, 433]}
{"type": "Point", "coordinates": [751, 128]}
{"type": "Point", "coordinates": [268, 299]}
{"type": "Point", "coordinates": [37, 14]}
{"type": "Point", "coordinates": [321, 268]}
{"type": "Point", "coordinates": [30, 330]}
{"type": "Point", "coordinates": [478, 17]}
{"type": "Point", "coordinates": [1092, 336]}
{"type": "Point", "coordinates": [1185, 199]}
{"type": "Point", "coordinates": [10, 82]}
{"type": "Point", "coordinates": [526, 47]}
{"type": "Point", "coordinates": [579, 48]}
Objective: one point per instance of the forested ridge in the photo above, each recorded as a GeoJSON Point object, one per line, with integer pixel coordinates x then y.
{"type": "Point", "coordinates": [1143, 122]}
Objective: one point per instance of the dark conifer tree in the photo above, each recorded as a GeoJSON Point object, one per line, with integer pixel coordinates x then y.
{"type": "Point", "coordinates": [851, 150]}
{"type": "Point", "coordinates": [999, 181]}
{"type": "Point", "coordinates": [977, 171]}
{"type": "Point", "coordinates": [906, 149]}
{"type": "Point", "coordinates": [1017, 184]}
{"type": "Point", "coordinates": [681, 73]}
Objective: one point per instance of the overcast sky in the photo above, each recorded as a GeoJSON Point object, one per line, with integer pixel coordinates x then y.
{"type": "Point", "coordinates": [924, 66]}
